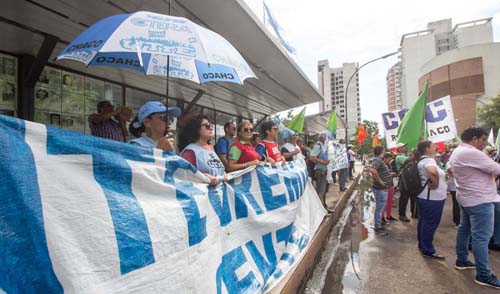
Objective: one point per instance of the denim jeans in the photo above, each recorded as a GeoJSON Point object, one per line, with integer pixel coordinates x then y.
{"type": "Point", "coordinates": [428, 222]}
{"type": "Point", "coordinates": [478, 222]}
{"type": "Point", "coordinates": [380, 201]}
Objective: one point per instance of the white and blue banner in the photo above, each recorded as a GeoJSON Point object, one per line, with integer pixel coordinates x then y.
{"type": "Point", "coordinates": [337, 154]}
{"type": "Point", "coordinates": [80, 214]}
{"type": "Point", "coordinates": [439, 122]}
{"type": "Point", "coordinates": [391, 121]}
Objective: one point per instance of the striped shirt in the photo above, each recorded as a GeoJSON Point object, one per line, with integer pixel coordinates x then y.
{"type": "Point", "coordinates": [109, 129]}
{"type": "Point", "coordinates": [383, 172]}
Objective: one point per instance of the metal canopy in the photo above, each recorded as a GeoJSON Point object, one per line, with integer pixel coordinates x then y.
{"type": "Point", "coordinates": [281, 84]}
{"type": "Point", "coordinates": [316, 123]}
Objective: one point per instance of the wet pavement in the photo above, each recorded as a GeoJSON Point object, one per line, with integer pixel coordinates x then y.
{"type": "Point", "coordinates": [358, 261]}
{"type": "Point", "coordinates": [393, 264]}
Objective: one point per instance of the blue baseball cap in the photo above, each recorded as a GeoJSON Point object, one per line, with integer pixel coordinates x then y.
{"type": "Point", "coordinates": [155, 107]}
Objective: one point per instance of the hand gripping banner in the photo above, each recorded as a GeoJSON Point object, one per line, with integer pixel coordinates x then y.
{"type": "Point", "coordinates": [80, 214]}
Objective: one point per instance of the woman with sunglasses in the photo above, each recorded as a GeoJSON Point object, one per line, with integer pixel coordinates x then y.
{"type": "Point", "coordinates": [242, 153]}
{"type": "Point", "coordinates": [268, 149]}
{"type": "Point", "coordinates": [195, 148]}
{"type": "Point", "coordinates": [151, 122]}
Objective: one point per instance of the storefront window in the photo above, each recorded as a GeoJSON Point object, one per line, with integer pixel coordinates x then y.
{"type": "Point", "coordinates": [65, 99]}
{"type": "Point", "coordinates": [8, 85]}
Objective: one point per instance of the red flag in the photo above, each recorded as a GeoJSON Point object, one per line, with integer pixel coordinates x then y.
{"type": "Point", "coordinates": [441, 146]}
{"type": "Point", "coordinates": [376, 141]}
{"type": "Point", "coordinates": [362, 133]}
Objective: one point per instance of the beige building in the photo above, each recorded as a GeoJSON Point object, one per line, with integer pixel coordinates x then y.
{"type": "Point", "coordinates": [418, 48]}
{"type": "Point", "coordinates": [470, 75]}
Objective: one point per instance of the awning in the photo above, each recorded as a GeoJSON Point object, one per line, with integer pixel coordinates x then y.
{"type": "Point", "coordinates": [281, 84]}
{"type": "Point", "coordinates": [316, 123]}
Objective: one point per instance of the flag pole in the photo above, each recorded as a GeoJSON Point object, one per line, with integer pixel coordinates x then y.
{"type": "Point", "coordinates": [166, 99]}
{"type": "Point", "coordinates": [426, 124]}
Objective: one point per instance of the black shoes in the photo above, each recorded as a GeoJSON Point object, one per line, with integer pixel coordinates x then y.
{"type": "Point", "coordinates": [435, 256]}
{"type": "Point", "coordinates": [380, 232]}
{"type": "Point", "coordinates": [404, 219]}
{"type": "Point", "coordinates": [392, 219]}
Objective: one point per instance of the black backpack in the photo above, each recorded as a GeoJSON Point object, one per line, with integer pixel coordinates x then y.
{"type": "Point", "coordinates": [409, 180]}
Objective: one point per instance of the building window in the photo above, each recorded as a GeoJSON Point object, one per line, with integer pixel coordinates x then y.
{"type": "Point", "coordinates": [8, 85]}
{"type": "Point", "coordinates": [65, 99]}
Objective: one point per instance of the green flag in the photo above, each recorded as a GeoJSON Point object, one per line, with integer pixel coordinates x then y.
{"type": "Point", "coordinates": [297, 122]}
{"type": "Point", "coordinates": [457, 138]}
{"type": "Point", "coordinates": [498, 139]}
{"type": "Point", "coordinates": [411, 127]}
{"type": "Point", "coordinates": [332, 121]}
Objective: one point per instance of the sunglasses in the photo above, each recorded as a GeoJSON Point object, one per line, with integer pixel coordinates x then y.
{"type": "Point", "coordinates": [247, 129]}
{"type": "Point", "coordinates": [207, 126]}
{"type": "Point", "coordinates": [162, 117]}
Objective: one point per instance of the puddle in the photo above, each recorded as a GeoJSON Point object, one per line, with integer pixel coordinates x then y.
{"type": "Point", "coordinates": [359, 231]}
{"type": "Point", "coordinates": [339, 267]}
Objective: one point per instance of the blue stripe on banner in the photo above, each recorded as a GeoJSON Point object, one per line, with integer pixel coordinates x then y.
{"type": "Point", "coordinates": [114, 175]}
{"type": "Point", "coordinates": [25, 265]}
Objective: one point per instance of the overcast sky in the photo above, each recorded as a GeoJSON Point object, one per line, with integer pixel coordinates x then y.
{"type": "Point", "coordinates": [361, 30]}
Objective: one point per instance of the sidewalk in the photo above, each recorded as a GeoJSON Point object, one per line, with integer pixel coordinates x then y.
{"type": "Point", "coordinates": [334, 194]}
{"type": "Point", "coordinates": [393, 264]}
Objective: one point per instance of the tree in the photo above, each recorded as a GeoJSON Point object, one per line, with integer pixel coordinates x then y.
{"type": "Point", "coordinates": [489, 114]}
{"type": "Point", "coordinates": [371, 128]}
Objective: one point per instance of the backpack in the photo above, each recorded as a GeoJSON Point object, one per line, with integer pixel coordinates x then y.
{"type": "Point", "coordinates": [409, 180]}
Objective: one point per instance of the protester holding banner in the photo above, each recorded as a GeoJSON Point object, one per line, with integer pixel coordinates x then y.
{"type": "Point", "coordinates": [242, 153]}
{"type": "Point", "coordinates": [343, 172]}
{"type": "Point", "coordinates": [319, 155]}
{"type": "Point", "coordinates": [195, 148]}
{"type": "Point", "coordinates": [431, 200]}
{"type": "Point", "coordinates": [476, 192]}
{"type": "Point", "coordinates": [382, 180]}
{"type": "Point", "coordinates": [290, 150]}
{"type": "Point", "coordinates": [351, 157]}
{"type": "Point", "coordinates": [268, 149]}
{"type": "Point", "coordinates": [151, 119]}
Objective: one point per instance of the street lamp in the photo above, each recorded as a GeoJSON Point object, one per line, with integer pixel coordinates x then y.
{"type": "Point", "coordinates": [347, 89]}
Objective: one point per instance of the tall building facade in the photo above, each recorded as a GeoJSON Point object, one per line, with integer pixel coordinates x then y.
{"type": "Point", "coordinates": [393, 80]}
{"type": "Point", "coordinates": [332, 83]}
{"type": "Point", "coordinates": [417, 48]}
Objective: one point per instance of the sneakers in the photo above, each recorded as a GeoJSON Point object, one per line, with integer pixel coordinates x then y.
{"type": "Point", "coordinates": [404, 219]}
{"type": "Point", "coordinates": [464, 265]}
{"type": "Point", "coordinates": [381, 232]}
{"type": "Point", "coordinates": [492, 281]}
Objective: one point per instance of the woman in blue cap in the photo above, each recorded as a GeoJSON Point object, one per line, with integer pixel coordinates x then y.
{"type": "Point", "coordinates": [151, 118]}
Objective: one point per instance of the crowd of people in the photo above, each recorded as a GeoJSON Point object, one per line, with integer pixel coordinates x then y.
{"type": "Point", "coordinates": [241, 146]}
{"type": "Point", "coordinates": [469, 172]}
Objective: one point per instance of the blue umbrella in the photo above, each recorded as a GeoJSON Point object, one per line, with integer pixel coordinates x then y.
{"type": "Point", "coordinates": [158, 44]}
